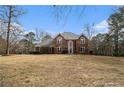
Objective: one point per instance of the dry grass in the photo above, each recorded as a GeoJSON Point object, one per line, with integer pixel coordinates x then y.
{"type": "Point", "coordinates": [61, 70]}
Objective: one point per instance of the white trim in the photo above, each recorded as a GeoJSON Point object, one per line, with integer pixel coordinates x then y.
{"type": "Point", "coordinates": [58, 49]}
{"type": "Point", "coordinates": [82, 40]}
{"type": "Point", "coordinates": [70, 47]}
{"type": "Point", "coordinates": [59, 40]}
{"type": "Point", "coordinates": [82, 50]}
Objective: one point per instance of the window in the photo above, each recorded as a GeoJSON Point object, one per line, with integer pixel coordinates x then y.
{"type": "Point", "coordinates": [50, 50]}
{"type": "Point", "coordinates": [59, 49]}
{"type": "Point", "coordinates": [37, 49]}
{"type": "Point", "coordinates": [82, 41]}
{"type": "Point", "coordinates": [59, 40]}
{"type": "Point", "coordinates": [82, 50]}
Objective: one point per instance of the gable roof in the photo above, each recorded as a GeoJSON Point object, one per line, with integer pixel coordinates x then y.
{"type": "Point", "coordinates": [46, 42]}
{"type": "Point", "coordinates": [83, 36]}
{"type": "Point", "coordinates": [65, 35]}
{"type": "Point", "coordinates": [69, 35]}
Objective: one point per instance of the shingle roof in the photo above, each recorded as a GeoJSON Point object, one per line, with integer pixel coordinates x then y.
{"type": "Point", "coordinates": [46, 42]}
{"type": "Point", "coordinates": [66, 35]}
{"type": "Point", "coordinates": [69, 35]}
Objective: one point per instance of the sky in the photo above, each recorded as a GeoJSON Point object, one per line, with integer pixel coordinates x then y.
{"type": "Point", "coordinates": [43, 17]}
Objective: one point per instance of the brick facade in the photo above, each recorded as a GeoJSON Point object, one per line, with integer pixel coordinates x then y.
{"type": "Point", "coordinates": [76, 45]}
{"type": "Point", "coordinates": [65, 43]}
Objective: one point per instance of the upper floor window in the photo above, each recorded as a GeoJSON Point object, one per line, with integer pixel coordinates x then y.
{"type": "Point", "coordinates": [59, 40]}
{"type": "Point", "coordinates": [71, 44]}
{"type": "Point", "coordinates": [82, 41]}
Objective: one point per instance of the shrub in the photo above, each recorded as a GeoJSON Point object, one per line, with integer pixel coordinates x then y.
{"type": "Point", "coordinates": [64, 51]}
{"type": "Point", "coordinates": [118, 54]}
{"type": "Point", "coordinates": [121, 54]}
{"type": "Point", "coordinates": [115, 54]}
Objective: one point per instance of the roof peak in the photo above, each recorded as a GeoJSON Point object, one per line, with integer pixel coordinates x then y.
{"type": "Point", "coordinates": [69, 35]}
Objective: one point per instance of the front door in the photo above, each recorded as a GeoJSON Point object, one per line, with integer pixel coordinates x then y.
{"type": "Point", "coordinates": [70, 47]}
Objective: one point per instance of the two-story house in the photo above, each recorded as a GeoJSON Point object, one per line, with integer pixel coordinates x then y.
{"type": "Point", "coordinates": [66, 42]}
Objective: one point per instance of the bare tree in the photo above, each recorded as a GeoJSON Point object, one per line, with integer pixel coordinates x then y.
{"type": "Point", "coordinates": [9, 14]}
{"type": "Point", "coordinates": [89, 30]}
{"type": "Point", "coordinates": [62, 13]}
{"type": "Point", "coordinates": [41, 35]}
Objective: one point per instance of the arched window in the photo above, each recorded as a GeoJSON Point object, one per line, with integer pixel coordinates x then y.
{"type": "Point", "coordinates": [59, 40]}
{"type": "Point", "coordinates": [82, 41]}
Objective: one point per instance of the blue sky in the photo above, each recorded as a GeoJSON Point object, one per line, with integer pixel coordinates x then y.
{"type": "Point", "coordinates": [43, 17]}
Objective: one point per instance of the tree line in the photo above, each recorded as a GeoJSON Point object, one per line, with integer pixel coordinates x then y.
{"type": "Point", "coordinates": [112, 42]}
{"type": "Point", "coordinates": [14, 40]}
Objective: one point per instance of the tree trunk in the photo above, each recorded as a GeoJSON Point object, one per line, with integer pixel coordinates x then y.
{"type": "Point", "coordinates": [8, 30]}
{"type": "Point", "coordinates": [116, 43]}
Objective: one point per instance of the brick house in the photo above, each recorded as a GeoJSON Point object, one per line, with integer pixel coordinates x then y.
{"type": "Point", "coordinates": [63, 43]}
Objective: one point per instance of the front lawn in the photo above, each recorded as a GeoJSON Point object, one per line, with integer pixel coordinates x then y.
{"type": "Point", "coordinates": [61, 70]}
